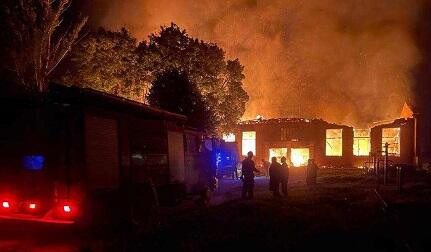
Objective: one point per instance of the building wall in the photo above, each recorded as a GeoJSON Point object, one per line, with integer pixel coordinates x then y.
{"type": "Point", "coordinates": [312, 134]}
{"type": "Point", "coordinates": [407, 155]}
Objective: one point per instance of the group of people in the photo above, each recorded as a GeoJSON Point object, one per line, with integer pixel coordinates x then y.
{"type": "Point", "coordinates": [278, 175]}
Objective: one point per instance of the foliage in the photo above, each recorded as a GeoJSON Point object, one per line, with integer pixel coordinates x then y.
{"type": "Point", "coordinates": [39, 39]}
{"type": "Point", "coordinates": [113, 62]}
{"type": "Point", "coordinates": [107, 61]}
{"type": "Point", "coordinates": [218, 82]}
{"type": "Point", "coordinates": [173, 91]}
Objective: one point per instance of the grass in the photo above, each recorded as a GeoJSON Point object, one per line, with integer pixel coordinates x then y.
{"type": "Point", "coordinates": [339, 214]}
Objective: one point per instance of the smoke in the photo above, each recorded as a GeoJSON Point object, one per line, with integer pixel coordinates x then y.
{"type": "Point", "coordinates": [344, 61]}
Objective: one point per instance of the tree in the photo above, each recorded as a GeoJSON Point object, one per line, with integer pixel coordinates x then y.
{"type": "Point", "coordinates": [39, 39]}
{"type": "Point", "coordinates": [218, 82]}
{"type": "Point", "coordinates": [107, 61]}
{"type": "Point", "coordinates": [173, 91]}
{"type": "Point", "coordinates": [235, 96]}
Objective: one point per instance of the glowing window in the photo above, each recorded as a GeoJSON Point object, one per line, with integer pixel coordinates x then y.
{"type": "Point", "coordinates": [278, 153]}
{"type": "Point", "coordinates": [392, 137]}
{"type": "Point", "coordinates": [361, 142]}
{"type": "Point", "coordinates": [248, 142]}
{"type": "Point", "coordinates": [229, 137]}
{"type": "Point", "coordinates": [334, 142]}
{"type": "Point", "coordinates": [299, 156]}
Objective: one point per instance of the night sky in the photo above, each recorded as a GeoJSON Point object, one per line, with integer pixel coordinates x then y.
{"type": "Point", "coordinates": [350, 62]}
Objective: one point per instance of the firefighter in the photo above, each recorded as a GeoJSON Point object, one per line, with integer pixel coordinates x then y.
{"type": "Point", "coordinates": [248, 169]}
{"type": "Point", "coordinates": [274, 177]}
{"type": "Point", "coordinates": [311, 172]}
{"type": "Point", "coordinates": [284, 175]}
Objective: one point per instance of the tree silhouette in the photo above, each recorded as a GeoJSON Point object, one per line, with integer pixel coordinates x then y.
{"type": "Point", "coordinates": [38, 38]}
{"type": "Point", "coordinates": [218, 81]}
{"type": "Point", "coordinates": [172, 90]}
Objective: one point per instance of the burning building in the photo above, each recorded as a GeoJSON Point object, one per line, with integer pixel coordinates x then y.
{"type": "Point", "coordinates": [329, 144]}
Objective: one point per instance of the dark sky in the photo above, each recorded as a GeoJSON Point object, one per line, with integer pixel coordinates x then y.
{"type": "Point", "coordinates": [351, 61]}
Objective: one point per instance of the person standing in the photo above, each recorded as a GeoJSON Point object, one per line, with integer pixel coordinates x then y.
{"type": "Point", "coordinates": [248, 169]}
{"type": "Point", "coordinates": [311, 172]}
{"type": "Point", "coordinates": [284, 175]}
{"type": "Point", "coordinates": [274, 177]}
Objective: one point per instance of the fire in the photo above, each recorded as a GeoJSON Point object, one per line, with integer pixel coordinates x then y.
{"type": "Point", "coordinates": [299, 156]}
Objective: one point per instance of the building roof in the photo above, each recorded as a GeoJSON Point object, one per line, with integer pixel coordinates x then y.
{"type": "Point", "coordinates": [100, 99]}
{"type": "Point", "coordinates": [60, 94]}
{"type": "Point", "coordinates": [284, 120]}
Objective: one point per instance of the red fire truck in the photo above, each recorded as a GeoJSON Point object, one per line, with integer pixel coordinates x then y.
{"type": "Point", "coordinates": [82, 155]}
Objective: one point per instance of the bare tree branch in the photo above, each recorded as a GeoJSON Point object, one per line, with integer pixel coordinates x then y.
{"type": "Point", "coordinates": [41, 40]}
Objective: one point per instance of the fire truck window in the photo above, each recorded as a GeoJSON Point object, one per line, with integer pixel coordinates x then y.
{"type": "Point", "coordinates": [229, 138]}
{"type": "Point", "coordinates": [334, 142]}
{"type": "Point", "coordinates": [392, 137]}
{"type": "Point", "coordinates": [248, 142]}
{"type": "Point", "coordinates": [361, 142]}
{"type": "Point", "coordinates": [278, 153]}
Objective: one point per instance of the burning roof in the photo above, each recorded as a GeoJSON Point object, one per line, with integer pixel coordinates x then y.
{"type": "Point", "coordinates": [284, 120]}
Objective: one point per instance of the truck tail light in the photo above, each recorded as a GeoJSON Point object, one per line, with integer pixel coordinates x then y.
{"type": "Point", "coordinates": [67, 209]}
{"type": "Point", "coordinates": [5, 204]}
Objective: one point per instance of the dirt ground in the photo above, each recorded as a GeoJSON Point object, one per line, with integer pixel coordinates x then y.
{"type": "Point", "coordinates": [341, 213]}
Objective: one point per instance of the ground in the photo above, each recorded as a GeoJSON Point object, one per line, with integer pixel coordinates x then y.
{"type": "Point", "coordinates": [346, 211]}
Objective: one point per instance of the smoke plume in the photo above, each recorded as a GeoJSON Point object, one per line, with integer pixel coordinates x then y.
{"type": "Point", "coordinates": [344, 61]}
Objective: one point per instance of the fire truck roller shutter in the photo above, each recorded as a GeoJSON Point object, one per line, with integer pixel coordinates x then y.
{"type": "Point", "coordinates": [102, 154]}
{"type": "Point", "coordinates": [176, 156]}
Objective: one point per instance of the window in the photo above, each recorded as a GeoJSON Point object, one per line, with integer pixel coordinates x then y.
{"type": "Point", "coordinates": [278, 153]}
{"type": "Point", "coordinates": [248, 142]}
{"type": "Point", "coordinates": [299, 156]}
{"type": "Point", "coordinates": [334, 142]}
{"type": "Point", "coordinates": [392, 137]}
{"type": "Point", "coordinates": [285, 133]}
{"type": "Point", "coordinates": [290, 133]}
{"type": "Point", "coordinates": [229, 137]}
{"type": "Point", "coordinates": [361, 142]}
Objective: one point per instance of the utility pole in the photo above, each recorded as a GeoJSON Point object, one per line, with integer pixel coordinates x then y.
{"type": "Point", "coordinates": [385, 171]}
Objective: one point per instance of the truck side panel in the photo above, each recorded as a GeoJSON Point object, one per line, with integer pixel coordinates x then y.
{"type": "Point", "coordinates": [102, 153]}
{"type": "Point", "coordinates": [176, 156]}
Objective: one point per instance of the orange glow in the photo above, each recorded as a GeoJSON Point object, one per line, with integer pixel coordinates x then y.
{"type": "Point", "coordinates": [299, 156]}
{"type": "Point", "coordinates": [334, 142]}
{"type": "Point", "coordinates": [361, 142]}
{"type": "Point", "coordinates": [278, 153]}
{"type": "Point", "coordinates": [392, 137]}
{"type": "Point", "coordinates": [32, 206]}
{"type": "Point", "coordinates": [248, 142]}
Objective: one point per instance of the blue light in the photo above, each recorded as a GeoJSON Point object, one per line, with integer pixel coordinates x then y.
{"type": "Point", "coordinates": [34, 162]}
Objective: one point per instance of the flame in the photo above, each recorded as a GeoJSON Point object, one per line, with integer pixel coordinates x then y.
{"type": "Point", "coordinates": [299, 156]}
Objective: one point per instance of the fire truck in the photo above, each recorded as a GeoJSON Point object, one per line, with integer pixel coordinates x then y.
{"type": "Point", "coordinates": [79, 155]}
